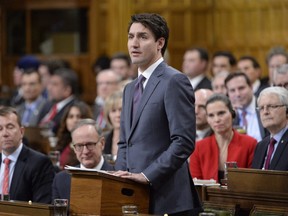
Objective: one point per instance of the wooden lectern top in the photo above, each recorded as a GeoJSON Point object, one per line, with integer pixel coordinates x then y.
{"type": "Point", "coordinates": [100, 193]}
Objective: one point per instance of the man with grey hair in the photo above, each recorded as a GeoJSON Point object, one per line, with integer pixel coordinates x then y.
{"type": "Point", "coordinates": [276, 57]}
{"type": "Point", "coordinates": [218, 82]}
{"type": "Point", "coordinates": [280, 76]}
{"type": "Point", "coordinates": [202, 127]}
{"type": "Point", "coordinates": [88, 144]}
{"type": "Point", "coordinates": [107, 81]}
{"type": "Point", "coordinates": [271, 153]}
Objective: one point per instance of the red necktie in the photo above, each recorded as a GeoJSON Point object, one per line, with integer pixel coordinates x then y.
{"type": "Point", "coordinates": [270, 151]}
{"type": "Point", "coordinates": [5, 186]}
{"type": "Point", "coordinates": [52, 114]}
{"type": "Point", "coordinates": [138, 93]}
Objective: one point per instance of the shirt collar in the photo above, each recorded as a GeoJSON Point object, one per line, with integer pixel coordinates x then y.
{"type": "Point", "coordinates": [62, 103]}
{"type": "Point", "coordinates": [256, 85]}
{"type": "Point", "coordinates": [251, 108]}
{"type": "Point", "coordinates": [14, 156]}
{"type": "Point", "coordinates": [97, 167]}
{"type": "Point", "coordinates": [279, 135]}
{"type": "Point", "coordinates": [34, 104]}
{"type": "Point", "coordinates": [196, 80]}
{"type": "Point", "coordinates": [148, 72]}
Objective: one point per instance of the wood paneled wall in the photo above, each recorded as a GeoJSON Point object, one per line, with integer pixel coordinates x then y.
{"type": "Point", "coordinates": [244, 27]}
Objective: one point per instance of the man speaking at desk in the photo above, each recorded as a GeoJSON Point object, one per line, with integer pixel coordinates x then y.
{"type": "Point", "coordinates": [157, 122]}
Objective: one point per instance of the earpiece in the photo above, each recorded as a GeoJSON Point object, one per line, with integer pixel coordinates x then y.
{"type": "Point", "coordinates": [233, 113]}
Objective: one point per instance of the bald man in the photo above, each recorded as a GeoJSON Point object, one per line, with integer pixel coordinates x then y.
{"type": "Point", "coordinates": [202, 127]}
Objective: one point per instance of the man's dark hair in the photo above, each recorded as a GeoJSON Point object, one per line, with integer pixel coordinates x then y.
{"type": "Point", "coordinates": [154, 23]}
{"type": "Point", "coordinates": [55, 64]}
{"type": "Point", "coordinates": [202, 52]}
{"type": "Point", "coordinates": [101, 63]}
{"type": "Point", "coordinates": [227, 54]}
{"type": "Point", "coordinates": [7, 110]}
{"type": "Point", "coordinates": [121, 56]}
{"type": "Point", "coordinates": [31, 71]}
{"type": "Point", "coordinates": [237, 74]}
{"type": "Point", "coordinates": [69, 78]}
{"type": "Point", "coordinates": [255, 63]}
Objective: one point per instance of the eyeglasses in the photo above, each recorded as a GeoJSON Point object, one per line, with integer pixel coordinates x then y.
{"type": "Point", "coordinates": [269, 107]}
{"type": "Point", "coordinates": [89, 145]}
{"type": "Point", "coordinates": [285, 85]}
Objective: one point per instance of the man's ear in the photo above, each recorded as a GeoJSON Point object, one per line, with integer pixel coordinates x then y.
{"type": "Point", "coordinates": [161, 43]}
{"type": "Point", "coordinates": [102, 142]}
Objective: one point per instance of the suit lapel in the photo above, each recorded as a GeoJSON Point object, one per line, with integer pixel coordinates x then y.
{"type": "Point", "coordinates": [130, 93]}
{"type": "Point", "coordinates": [149, 89]}
{"type": "Point", "coordinates": [279, 151]}
{"type": "Point", "coordinates": [19, 169]}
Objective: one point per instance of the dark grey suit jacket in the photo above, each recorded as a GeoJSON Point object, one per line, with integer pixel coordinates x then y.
{"type": "Point", "coordinates": [160, 139]}
{"type": "Point", "coordinates": [279, 160]}
{"type": "Point", "coordinates": [34, 119]}
{"type": "Point", "coordinates": [32, 178]}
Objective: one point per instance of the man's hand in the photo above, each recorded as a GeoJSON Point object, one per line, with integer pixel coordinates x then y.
{"type": "Point", "coordinates": [138, 177]}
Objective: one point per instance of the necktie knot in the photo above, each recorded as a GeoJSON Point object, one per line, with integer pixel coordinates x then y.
{"type": "Point", "coordinates": [272, 142]}
{"type": "Point", "coordinates": [7, 161]}
{"type": "Point", "coordinates": [270, 152]}
{"type": "Point", "coordinates": [140, 81]}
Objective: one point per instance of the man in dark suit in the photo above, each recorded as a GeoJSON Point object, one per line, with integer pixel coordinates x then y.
{"type": "Point", "coordinates": [34, 102]}
{"type": "Point", "coordinates": [29, 173]}
{"type": "Point", "coordinates": [88, 144]}
{"type": "Point", "coordinates": [271, 153]}
{"type": "Point", "coordinates": [240, 93]}
{"type": "Point", "coordinates": [250, 66]}
{"type": "Point", "coordinates": [62, 91]}
{"type": "Point", "coordinates": [195, 64]}
{"type": "Point", "coordinates": [158, 124]}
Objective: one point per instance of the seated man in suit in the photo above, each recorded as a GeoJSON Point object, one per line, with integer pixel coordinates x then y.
{"type": "Point", "coordinates": [271, 153]}
{"type": "Point", "coordinates": [203, 129]}
{"type": "Point", "coordinates": [33, 102]}
{"type": "Point", "coordinates": [88, 144]}
{"type": "Point", "coordinates": [195, 64]}
{"type": "Point", "coordinates": [62, 91]}
{"type": "Point", "coordinates": [24, 173]}
{"type": "Point", "coordinates": [240, 93]}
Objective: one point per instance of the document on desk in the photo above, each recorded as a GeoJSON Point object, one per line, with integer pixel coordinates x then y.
{"type": "Point", "coordinates": [88, 170]}
{"type": "Point", "coordinates": [201, 182]}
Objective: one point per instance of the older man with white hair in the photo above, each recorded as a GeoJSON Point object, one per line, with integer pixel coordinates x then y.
{"type": "Point", "coordinates": [271, 153]}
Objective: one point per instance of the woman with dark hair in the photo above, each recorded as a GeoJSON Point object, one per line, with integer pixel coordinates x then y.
{"type": "Point", "coordinates": [226, 144]}
{"type": "Point", "coordinates": [72, 114]}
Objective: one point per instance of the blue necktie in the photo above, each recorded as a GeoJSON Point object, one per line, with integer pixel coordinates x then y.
{"type": "Point", "coordinates": [138, 93]}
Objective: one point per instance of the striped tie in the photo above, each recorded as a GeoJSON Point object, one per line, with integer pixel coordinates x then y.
{"type": "Point", "coordinates": [5, 188]}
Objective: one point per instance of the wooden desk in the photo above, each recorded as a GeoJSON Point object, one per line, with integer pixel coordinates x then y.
{"type": "Point", "coordinates": [249, 188]}
{"type": "Point", "coordinates": [24, 208]}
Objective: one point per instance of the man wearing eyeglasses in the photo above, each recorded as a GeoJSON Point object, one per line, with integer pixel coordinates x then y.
{"type": "Point", "coordinates": [271, 153]}
{"type": "Point", "coordinates": [280, 76]}
{"type": "Point", "coordinates": [88, 144]}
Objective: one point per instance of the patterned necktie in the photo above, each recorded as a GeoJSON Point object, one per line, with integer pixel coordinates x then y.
{"type": "Point", "coordinates": [244, 120]}
{"type": "Point", "coordinates": [138, 93]}
{"type": "Point", "coordinates": [270, 151]}
{"type": "Point", "coordinates": [5, 186]}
